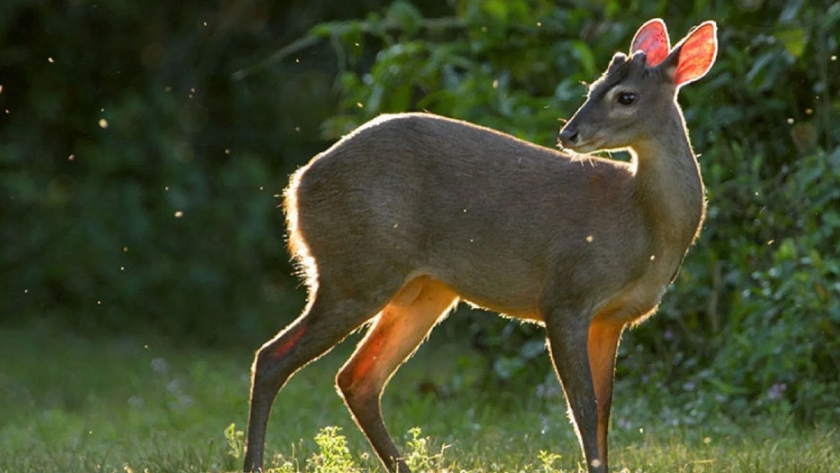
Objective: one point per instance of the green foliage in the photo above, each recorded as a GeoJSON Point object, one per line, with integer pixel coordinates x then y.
{"type": "Point", "coordinates": [785, 320]}
{"type": "Point", "coordinates": [333, 453]}
{"type": "Point", "coordinates": [417, 455]}
{"type": "Point", "coordinates": [754, 315]}
{"type": "Point", "coordinates": [334, 456]}
{"type": "Point", "coordinates": [497, 65]}
{"type": "Point", "coordinates": [235, 440]}
{"type": "Point", "coordinates": [548, 459]}
{"type": "Point", "coordinates": [143, 151]}
{"type": "Point", "coordinates": [138, 180]}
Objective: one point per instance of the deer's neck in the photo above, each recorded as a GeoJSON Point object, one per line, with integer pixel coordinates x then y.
{"type": "Point", "coordinates": [668, 185]}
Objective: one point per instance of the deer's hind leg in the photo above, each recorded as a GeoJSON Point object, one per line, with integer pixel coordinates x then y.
{"type": "Point", "coordinates": [394, 336]}
{"type": "Point", "coordinates": [332, 313]}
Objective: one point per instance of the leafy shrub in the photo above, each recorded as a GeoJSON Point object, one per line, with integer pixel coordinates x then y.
{"type": "Point", "coordinates": [137, 178]}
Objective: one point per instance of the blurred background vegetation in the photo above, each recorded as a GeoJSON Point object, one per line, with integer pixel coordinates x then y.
{"type": "Point", "coordinates": [143, 149]}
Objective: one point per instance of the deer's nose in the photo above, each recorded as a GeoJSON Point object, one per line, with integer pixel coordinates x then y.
{"type": "Point", "coordinates": [568, 137]}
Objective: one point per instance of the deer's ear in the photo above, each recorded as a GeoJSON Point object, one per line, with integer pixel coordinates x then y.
{"type": "Point", "coordinates": [696, 53]}
{"type": "Point", "coordinates": [652, 39]}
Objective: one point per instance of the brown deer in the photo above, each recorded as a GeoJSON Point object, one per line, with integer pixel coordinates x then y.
{"type": "Point", "coordinates": [411, 213]}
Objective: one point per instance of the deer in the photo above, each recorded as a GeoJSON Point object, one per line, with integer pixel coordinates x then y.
{"type": "Point", "coordinates": [411, 213]}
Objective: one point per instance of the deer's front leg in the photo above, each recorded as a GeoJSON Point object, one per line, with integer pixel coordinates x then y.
{"type": "Point", "coordinates": [568, 340]}
{"type": "Point", "coordinates": [604, 336]}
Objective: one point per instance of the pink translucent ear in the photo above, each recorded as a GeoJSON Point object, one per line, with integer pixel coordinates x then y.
{"type": "Point", "coordinates": [697, 53]}
{"type": "Point", "coordinates": [652, 39]}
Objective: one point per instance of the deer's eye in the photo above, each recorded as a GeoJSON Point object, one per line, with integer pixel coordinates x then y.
{"type": "Point", "coordinates": [626, 98]}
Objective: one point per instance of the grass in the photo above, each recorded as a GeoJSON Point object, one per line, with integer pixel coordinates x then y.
{"type": "Point", "coordinates": [72, 404]}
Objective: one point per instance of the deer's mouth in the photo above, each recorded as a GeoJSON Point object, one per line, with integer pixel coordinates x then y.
{"type": "Point", "coordinates": [581, 146]}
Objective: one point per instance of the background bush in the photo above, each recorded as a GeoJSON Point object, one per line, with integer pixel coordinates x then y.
{"type": "Point", "coordinates": [142, 151]}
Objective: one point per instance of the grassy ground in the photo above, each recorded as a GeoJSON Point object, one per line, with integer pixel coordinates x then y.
{"type": "Point", "coordinates": [75, 405]}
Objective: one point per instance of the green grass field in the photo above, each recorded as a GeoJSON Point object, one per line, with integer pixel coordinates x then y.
{"type": "Point", "coordinates": [70, 404]}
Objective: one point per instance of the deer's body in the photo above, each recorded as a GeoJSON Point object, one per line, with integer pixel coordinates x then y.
{"type": "Point", "coordinates": [411, 213]}
{"type": "Point", "coordinates": [525, 221]}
